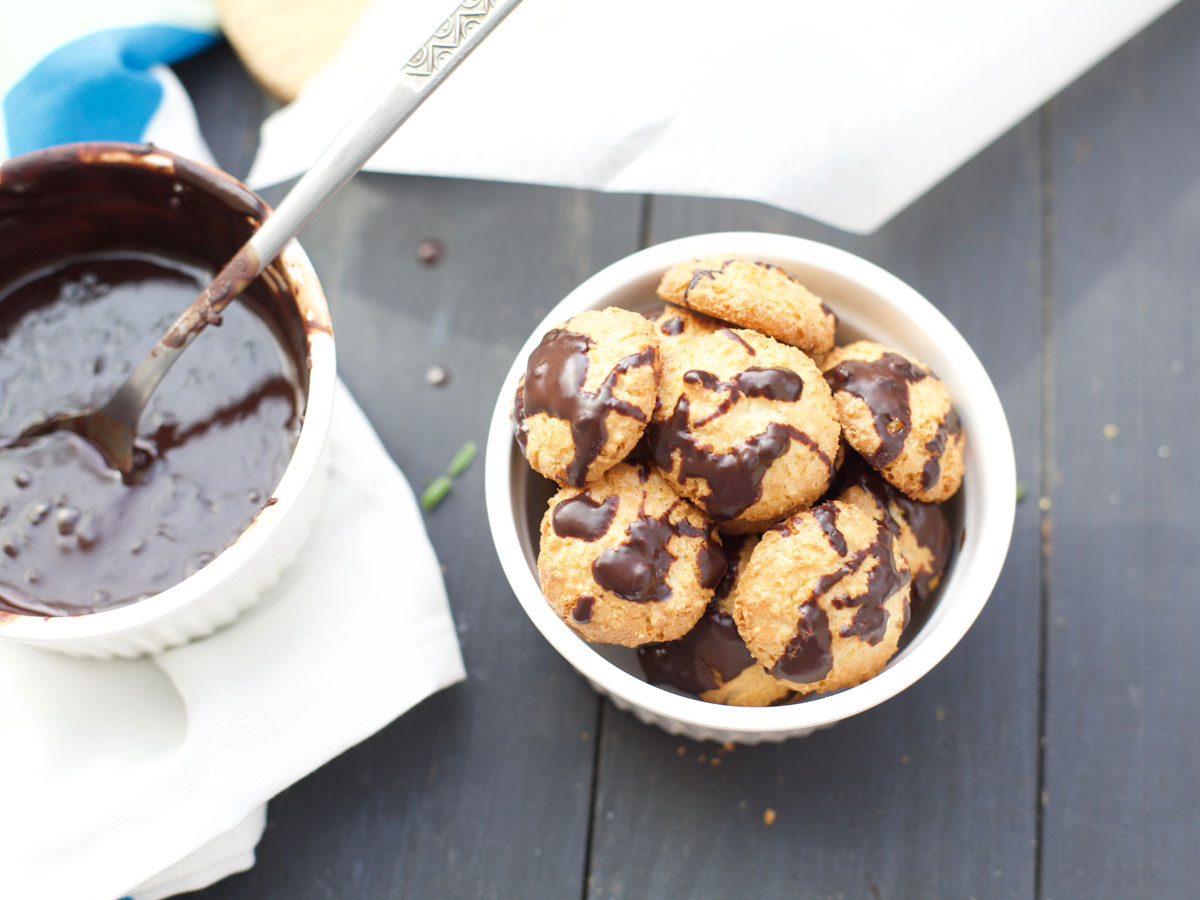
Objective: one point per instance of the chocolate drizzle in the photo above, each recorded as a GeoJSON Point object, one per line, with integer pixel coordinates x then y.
{"type": "Point", "coordinates": [932, 470]}
{"type": "Point", "coordinates": [582, 517]}
{"type": "Point", "coordinates": [554, 381]}
{"type": "Point", "coordinates": [582, 611]}
{"type": "Point", "coordinates": [699, 275]}
{"type": "Point", "coordinates": [734, 336]}
{"type": "Point", "coordinates": [926, 522]}
{"type": "Point", "coordinates": [883, 385]}
{"type": "Point", "coordinates": [636, 570]}
{"type": "Point", "coordinates": [807, 657]}
{"type": "Point", "coordinates": [734, 478]}
{"type": "Point", "coordinates": [712, 653]}
{"type": "Point", "coordinates": [673, 327]}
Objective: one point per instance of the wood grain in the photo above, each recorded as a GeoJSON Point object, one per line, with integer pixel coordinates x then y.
{"type": "Point", "coordinates": [1122, 815]}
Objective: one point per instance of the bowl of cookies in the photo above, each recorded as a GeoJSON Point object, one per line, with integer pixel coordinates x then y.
{"type": "Point", "coordinates": [749, 485]}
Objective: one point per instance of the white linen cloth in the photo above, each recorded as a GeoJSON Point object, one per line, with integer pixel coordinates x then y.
{"type": "Point", "coordinates": [845, 112]}
{"type": "Point", "coordinates": [155, 772]}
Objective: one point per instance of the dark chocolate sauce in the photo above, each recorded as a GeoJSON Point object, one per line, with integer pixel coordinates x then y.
{"type": "Point", "coordinates": [734, 336]}
{"type": "Point", "coordinates": [217, 435]}
{"type": "Point", "coordinates": [554, 381]}
{"type": "Point", "coordinates": [712, 653]}
{"type": "Point", "coordinates": [771, 384]}
{"type": "Point", "coordinates": [636, 570]}
{"type": "Point", "coordinates": [673, 326]}
{"type": "Point", "coordinates": [582, 517]}
{"type": "Point", "coordinates": [936, 446]}
{"type": "Point", "coordinates": [734, 477]}
{"type": "Point", "coordinates": [883, 385]}
{"type": "Point", "coordinates": [807, 657]}
{"type": "Point", "coordinates": [582, 611]}
{"type": "Point", "coordinates": [928, 524]}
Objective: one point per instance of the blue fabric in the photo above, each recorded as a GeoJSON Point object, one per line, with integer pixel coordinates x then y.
{"type": "Point", "coordinates": [96, 88]}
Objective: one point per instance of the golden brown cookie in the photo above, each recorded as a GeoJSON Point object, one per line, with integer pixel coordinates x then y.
{"type": "Point", "coordinates": [711, 661]}
{"type": "Point", "coordinates": [588, 392]}
{"type": "Point", "coordinates": [755, 295]}
{"type": "Point", "coordinates": [898, 416]}
{"type": "Point", "coordinates": [745, 427]}
{"type": "Point", "coordinates": [676, 322]}
{"type": "Point", "coordinates": [921, 528]}
{"type": "Point", "coordinates": [824, 598]}
{"type": "Point", "coordinates": [626, 560]}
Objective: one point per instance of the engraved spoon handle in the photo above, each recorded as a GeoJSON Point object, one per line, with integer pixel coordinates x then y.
{"type": "Point", "coordinates": [393, 101]}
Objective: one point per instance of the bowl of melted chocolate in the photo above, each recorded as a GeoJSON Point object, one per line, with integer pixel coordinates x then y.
{"type": "Point", "coordinates": [870, 304]}
{"type": "Point", "coordinates": [101, 247]}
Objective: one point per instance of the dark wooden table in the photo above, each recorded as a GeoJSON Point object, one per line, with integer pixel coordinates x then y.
{"type": "Point", "coordinates": [1055, 753]}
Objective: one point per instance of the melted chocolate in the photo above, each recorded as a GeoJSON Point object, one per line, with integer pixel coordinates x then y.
{"type": "Point", "coordinates": [734, 336]}
{"type": "Point", "coordinates": [712, 653]}
{"type": "Point", "coordinates": [582, 611]}
{"type": "Point", "coordinates": [807, 657]}
{"type": "Point", "coordinates": [636, 570]}
{"type": "Point", "coordinates": [883, 385]}
{"type": "Point", "coordinates": [582, 517]}
{"type": "Point", "coordinates": [673, 326]}
{"type": "Point", "coordinates": [217, 435]}
{"type": "Point", "coordinates": [770, 384]}
{"type": "Point", "coordinates": [936, 446]}
{"type": "Point", "coordinates": [926, 521]}
{"type": "Point", "coordinates": [735, 477]}
{"type": "Point", "coordinates": [554, 382]}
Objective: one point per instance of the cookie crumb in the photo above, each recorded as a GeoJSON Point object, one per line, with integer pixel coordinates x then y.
{"type": "Point", "coordinates": [940, 712]}
{"type": "Point", "coordinates": [701, 758]}
{"type": "Point", "coordinates": [430, 252]}
{"type": "Point", "coordinates": [1164, 451]}
{"type": "Point", "coordinates": [436, 376]}
{"type": "Point", "coordinates": [1111, 431]}
{"type": "Point", "coordinates": [681, 750]}
{"type": "Point", "coordinates": [728, 746]}
{"type": "Point", "coordinates": [715, 761]}
{"type": "Point", "coordinates": [1044, 504]}
{"type": "Point", "coordinates": [768, 817]}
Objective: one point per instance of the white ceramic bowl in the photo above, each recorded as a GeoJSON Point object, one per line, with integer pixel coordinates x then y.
{"type": "Point", "coordinates": [237, 577]}
{"type": "Point", "coordinates": [870, 303]}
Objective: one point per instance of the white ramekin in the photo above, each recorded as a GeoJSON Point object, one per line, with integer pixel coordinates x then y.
{"type": "Point", "coordinates": [215, 595]}
{"type": "Point", "coordinates": [870, 303]}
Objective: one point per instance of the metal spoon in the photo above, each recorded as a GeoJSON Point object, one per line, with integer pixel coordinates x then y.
{"type": "Point", "coordinates": [113, 426]}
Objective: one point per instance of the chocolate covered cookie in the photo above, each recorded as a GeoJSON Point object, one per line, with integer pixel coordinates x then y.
{"type": "Point", "coordinates": [711, 661]}
{"type": "Point", "coordinates": [627, 560]}
{"type": "Point", "coordinates": [824, 598]}
{"type": "Point", "coordinates": [897, 414]}
{"type": "Point", "coordinates": [587, 394]}
{"type": "Point", "coordinates": [752, 294]}
{"type": "Point", "coordinates": [745, 427]}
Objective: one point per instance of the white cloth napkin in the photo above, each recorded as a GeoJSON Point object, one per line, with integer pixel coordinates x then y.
{"type": "Point", "coordinates": [116, 771]}
{"type": "Point", "coordinates": [843, 111]}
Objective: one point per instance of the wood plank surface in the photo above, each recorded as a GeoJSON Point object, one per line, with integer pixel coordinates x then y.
{"type": "Point", "coordinates": [483, 790]}
{"type": "Point", "coordinates": [933, 793]}
{"type": "Point", "coordinates": [1122, 773]}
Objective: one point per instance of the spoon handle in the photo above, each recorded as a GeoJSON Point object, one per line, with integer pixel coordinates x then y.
{"type": "Point", "coordinates": [393, 101]}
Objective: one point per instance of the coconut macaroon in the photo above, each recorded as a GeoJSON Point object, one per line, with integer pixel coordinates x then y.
{"type": "Point", "coordinates": [627, 560]}
{"type": "Point", "coordinates": [824, 598]}
{"type": "Point", "coordinates": [678, 323]}
{"type": "Point", "coordinates": [745, 427]}
{"type": "Point", "coordinates": [897, 414]}
{"type": "Point", "coordinates": [755, 295]}
{"type": "Point", "coordinates": [921, 528]}
{"type": "Point", "coordinates": [587, 394]}
{"type": "Point", "coordinates": [711, 661]}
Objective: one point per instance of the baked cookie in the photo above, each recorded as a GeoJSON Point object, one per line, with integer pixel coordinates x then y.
{"type": "Point", "coordinates": [588, 392]}
{"type": "Point", "coordinates": [626, 560]}
{"type": "Point", "coordinates": [755, 295]}
{"type": "Point", "coordinates": [921, 528]}
{"type": "Point", "coordinates": [745, 427]}
{"type": "Point", "coordinates": [824, 598]}
{"type": "Point", "coordinates": [711, 661]}
{"type": "Point", "coordinates": [897, 414]}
